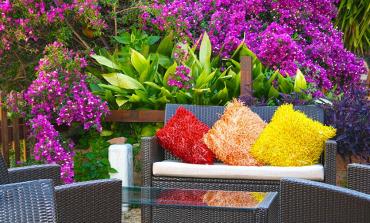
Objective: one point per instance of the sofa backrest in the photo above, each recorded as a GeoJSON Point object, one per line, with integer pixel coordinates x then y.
{"type": "Point", "coordinates": [210, 114]}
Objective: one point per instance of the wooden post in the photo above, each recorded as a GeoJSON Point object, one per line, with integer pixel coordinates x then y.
{"type": "Point", "coordinates": [245, 76]}
{"type": "Point", "coordinates": [4, 131]}
{"type": "Point", "coordinates": [16, 143]}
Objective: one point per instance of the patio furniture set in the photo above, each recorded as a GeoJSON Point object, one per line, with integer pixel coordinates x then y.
{"type": "Point", "coordinates": [35, 193]}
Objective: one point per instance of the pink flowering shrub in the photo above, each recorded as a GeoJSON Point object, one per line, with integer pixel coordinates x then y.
{"type": "Point", "coordinates": [284, 34]}
{"type": "Point", "coordinates": [22, 21]}
{"type": "Point", "coordinates": [59, 97]}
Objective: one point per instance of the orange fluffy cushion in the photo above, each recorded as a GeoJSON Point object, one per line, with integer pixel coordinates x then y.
{"type": "Point", "coordinates": [233, 135]}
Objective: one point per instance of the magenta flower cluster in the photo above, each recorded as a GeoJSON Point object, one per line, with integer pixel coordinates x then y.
{"type": "Point", "coordinates": [58, 97]}
{"type": "Point", "coordinates": [21, 20]}
{"type": "Point", "coordinates": [181, 78]}
{"type": "Point", "coordinates": [284, 34]}
{"type": "Point", "coordinates": [48, 147]}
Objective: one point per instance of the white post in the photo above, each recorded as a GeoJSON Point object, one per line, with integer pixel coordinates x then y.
{"type": "Point", "coordinates": [120, 159]}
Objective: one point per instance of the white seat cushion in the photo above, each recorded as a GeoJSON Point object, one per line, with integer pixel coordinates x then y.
{"type": "Point", "coordinates": [174, 168]}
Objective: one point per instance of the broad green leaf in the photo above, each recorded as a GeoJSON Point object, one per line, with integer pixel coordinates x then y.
{"type": "Point", "coordinates": [170, 71]}
{"type": "Point", "coordinates": [198, 90]}
{"type": "Point", "coordinates": [238, 49]}
{"type": "Point", "coordinates": [245, 51]}
{"type": "Point", "coordinates": [205, 52]}
{"type": "Point", "coordinates": [166, 45]}
{"type": "Point", "coordinates": [124, 38]}
{"type": "Point", "coordinates": [204, 78]}
{"type": "Point", "coordinates": [273, 77]}
{"type": "Point", "coordinates": [273, 93]}
{"type": "Point", "coordinates": [153, 85]}
{"type": "Point", "coordinates": [165, 92]}
{"type": "Point", "coordinates": [121, 101]}
{"type": "Point", "coordinates": [112, 88]}
{"type": "Point", "coordinates": [140, 64]}
{"type": "Point", "coordinates": [285, 84]}
{"type": "Point", "coordinates": [259, 85]}
{"type": "Point", "coordinates": [299, 82]}
{"type": "Point", "coordinates": [122, 81]}
{"type": "Point", "coordinates": [164, 61]}
{"type": "Point", "coordinates": [105, 62]}
{"type": "Point", "coordinates": [222, 95]}
{"type": "Point", "coordinates": [153, 39]}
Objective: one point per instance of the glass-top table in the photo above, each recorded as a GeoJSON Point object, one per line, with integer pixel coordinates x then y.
{"type": "Point", "coordinates": [174, 205]}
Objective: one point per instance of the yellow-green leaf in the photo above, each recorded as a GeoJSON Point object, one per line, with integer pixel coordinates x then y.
{"type": "Point", "coordinates": [122, 81]}
{"type": "Point", "coordinates": [299, 82]}
{"type": "Point", "coordinates": [105, 62]}
{"type": "Point", "coordinates": [205, 52]}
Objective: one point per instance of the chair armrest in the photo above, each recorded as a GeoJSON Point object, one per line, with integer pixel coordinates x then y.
{"type": "Point", "coordinates": [35, 172]}
{"type": "Point", "coordinates": [90, 201]}
{"type": "Point", "coordinates": [330, 174]}
{"type": "Point", "coordinates": [310, 201]}
{"type": "Point", "coordinates": [151, 152]}
{"type": "Point", "coordinates": [359, 177]}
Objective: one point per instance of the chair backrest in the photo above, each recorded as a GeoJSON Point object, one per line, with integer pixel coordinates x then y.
{"type": "Point", "coordinates": [31, 201]}
{"type": "Point", "coordinates": [359, 177]}
{"type": "Point", "coordinates": [210, 114]}
{"type": "Point", "coordinates": [307, 201]}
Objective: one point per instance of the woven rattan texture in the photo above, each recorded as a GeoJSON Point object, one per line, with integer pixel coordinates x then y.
{"type": "Point", "coordinates": [27, 202]}
{"type": "Point", "coordinates": [359, 177]}
{"type": "Point", "coordinates": [310, 202]}
{"type": "Point", "coordinates": [90, 201]}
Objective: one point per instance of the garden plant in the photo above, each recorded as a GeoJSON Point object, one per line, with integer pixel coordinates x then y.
{"type": "Point", "coordinates": [66, 63]}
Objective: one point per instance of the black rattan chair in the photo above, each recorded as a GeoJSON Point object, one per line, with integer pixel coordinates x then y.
{"type": "Point", "coordinates": [359, 177]}
{"type": "Point", "coordinates": [307, 201]}
{"type": "Point", "coordinates": [27, 202]}
{"type": "Point", "coordinates": [152, 152]}
{"type": "Point", "coordinates": [90, 201]}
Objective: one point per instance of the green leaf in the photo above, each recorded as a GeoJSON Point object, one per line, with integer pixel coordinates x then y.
{"type": "Point", "coordinates": [170, 71]}
{"type": "Point", "coordinates": [124, 38]}
{"type": "Point", "coordinates": [121, 101]}
{"type": "Point", "coordinates": [153, 39]}
{"type": "Point", "coordinates": [122, 81]}
{"type": "Point", "coordinates": [153, 85]}
{"type": "Point", "coordinates": [140, 64]}
{"type": "Point", "coordinates": [273, 93]}
{"type": "Point", "coordinates": [204, 78]}
{"type": "Point", "coordinates": [166, 45]}
{"type": "Point", "coordinates": [112, 88]}
{"type": "Point", "coordinates": [222, 95]}
{"type": "Point", "coordinates": [106, 133]}
{"type": "Point", "coordinates": [205, 52]}
{"type": "Point", "coordinates": [105, 62]}
{"type": "Point", "coordinates": [299, 82]}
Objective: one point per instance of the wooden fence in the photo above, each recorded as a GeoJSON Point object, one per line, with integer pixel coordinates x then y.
{"type": "Point", "coordinates": [14, 132]}
{"type": "Point", "coordinates": [13, 136]}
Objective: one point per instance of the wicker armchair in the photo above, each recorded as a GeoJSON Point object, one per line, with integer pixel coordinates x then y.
{"type": "Point", "coordinates": [90, 201]}
{"type": "Point", "coordinates": [152, 152]}
{"type": "Point", "coordinates": [359, 177]}
{"type": "Point", "coordinates": [308, 201]}
{"type": "Point", "coordinates": [27, 202]}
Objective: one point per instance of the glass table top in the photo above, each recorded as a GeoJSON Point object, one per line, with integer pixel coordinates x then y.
{"type": "Point", "coordinates": [191, 197]}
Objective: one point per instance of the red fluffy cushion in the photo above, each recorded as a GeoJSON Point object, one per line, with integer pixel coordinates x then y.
{"type": "Point", "coordinates": [182, 136]}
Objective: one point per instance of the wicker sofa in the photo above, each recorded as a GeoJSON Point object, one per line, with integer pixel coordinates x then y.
{"type": "Point", "coordinates": [359, 177]}
{"type": "Point", "coordinates": [153, 153]}
{"type": "Point", "coordinates": [307, 201]}
{"type": "Point", "coordinates": [90, 201]}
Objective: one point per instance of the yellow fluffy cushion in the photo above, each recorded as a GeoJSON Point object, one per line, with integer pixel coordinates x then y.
{"type": "Point", "coordinates": [233, 134]}
{"type": "Point", "coordinates": [291, 139]}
